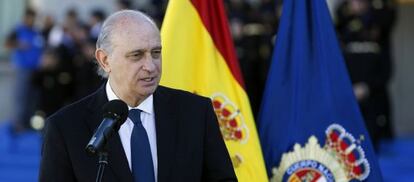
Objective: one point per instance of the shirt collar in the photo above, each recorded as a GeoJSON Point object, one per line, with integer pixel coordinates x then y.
{"type": "Point", "coordinates": [145, 106]}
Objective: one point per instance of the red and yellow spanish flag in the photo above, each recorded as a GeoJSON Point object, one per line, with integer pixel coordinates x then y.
{"type": "Point", "coordinates": [199, 56]}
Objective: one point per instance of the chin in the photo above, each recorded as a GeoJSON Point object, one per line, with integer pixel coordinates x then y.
{"type": "Point", "coordinates": [149, 91]}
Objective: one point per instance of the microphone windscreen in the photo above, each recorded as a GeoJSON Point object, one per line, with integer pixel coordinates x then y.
{"type": "Point", "coordinates": [116, 109]}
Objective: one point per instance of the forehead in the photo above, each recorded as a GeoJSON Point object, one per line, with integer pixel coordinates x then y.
{"type": "Point", "coordinates": [129, 31]}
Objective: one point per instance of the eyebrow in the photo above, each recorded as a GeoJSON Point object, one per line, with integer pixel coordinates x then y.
{"type": "Point", "coordinates": [142, 50]}
{"type": "Point", "coordinates": [157, 47]}
{"type": "Point", "coordinates": [135, 51]}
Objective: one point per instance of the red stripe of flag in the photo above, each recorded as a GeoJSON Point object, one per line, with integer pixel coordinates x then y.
{"type": "Point", "coordinates": [215, 20]}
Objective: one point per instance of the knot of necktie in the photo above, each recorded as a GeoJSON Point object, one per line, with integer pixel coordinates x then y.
{"type": "Point", "coordinates": [135, 116]}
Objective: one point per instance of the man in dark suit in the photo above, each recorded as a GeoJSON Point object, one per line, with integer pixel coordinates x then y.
{"type": "Point", "coordinates": [181, 141]}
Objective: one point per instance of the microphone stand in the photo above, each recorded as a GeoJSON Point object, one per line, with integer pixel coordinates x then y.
{"type": "Point", "coordinates": [103, 161]}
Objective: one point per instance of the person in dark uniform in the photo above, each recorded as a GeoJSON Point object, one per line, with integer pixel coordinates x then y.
{"type": "Point", "coordinates": [364, 29]}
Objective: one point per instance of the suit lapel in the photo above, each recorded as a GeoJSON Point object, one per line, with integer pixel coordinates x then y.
{"type": "Point", "coordinates": [166, 128]}
{"type": "Point", "coordinates": [118, 162]}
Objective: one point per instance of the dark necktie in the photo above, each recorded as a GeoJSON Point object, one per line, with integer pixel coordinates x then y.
{"type": "Point", "coordinates": [142, 166]}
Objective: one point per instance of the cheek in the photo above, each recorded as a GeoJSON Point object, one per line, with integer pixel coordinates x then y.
{"type": "Point", "coordinates": [134, 71]}
{"type": "Point", "coordinates": [158, 65]}
{"type": "Point", "coordinates": [124, 71]}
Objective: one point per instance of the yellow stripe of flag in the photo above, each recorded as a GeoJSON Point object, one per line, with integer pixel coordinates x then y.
{"type": "Point", "coordinates": [192, 62]}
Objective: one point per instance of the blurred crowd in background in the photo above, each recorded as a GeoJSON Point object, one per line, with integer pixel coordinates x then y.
{"type": "Point", "coordinates": [55, 64]}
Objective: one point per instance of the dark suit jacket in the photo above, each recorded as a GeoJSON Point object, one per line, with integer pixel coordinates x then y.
{"type": "Point", "coordinates": [189, 143]}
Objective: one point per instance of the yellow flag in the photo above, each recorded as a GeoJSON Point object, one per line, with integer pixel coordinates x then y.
{"type": "Point", "coordinates": [199, 56]}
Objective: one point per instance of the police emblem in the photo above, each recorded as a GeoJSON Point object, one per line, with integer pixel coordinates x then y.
{"type": "Point", "coordinates": [341, 159]}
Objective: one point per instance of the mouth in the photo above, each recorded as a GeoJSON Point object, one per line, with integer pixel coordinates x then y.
{"type": "Point", "coordinates": [149, 79]}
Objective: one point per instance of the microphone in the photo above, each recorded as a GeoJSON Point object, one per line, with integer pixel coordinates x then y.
{"type": "Point", "coordinates": [115, 113]}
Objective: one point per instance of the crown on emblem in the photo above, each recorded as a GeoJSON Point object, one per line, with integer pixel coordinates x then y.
{"type": "Point", "coordinates": [343, 146]}
{"type": "Point", "coordinates": [230, 120]}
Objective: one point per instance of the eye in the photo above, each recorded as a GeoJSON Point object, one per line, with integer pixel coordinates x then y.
{"type": "Point", "coordinates": [136, 55]}
{"type": "Point", "coordinates": [156, 53]}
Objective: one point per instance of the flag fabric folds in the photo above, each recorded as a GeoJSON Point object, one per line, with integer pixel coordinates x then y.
{"type": "Point", "coordinates": [199, 56]}
{"type": "Point", "coordinates": [310, 125]}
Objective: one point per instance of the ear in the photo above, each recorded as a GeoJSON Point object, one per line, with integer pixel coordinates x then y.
{"type": "Point", "coordinates": [102, 58]}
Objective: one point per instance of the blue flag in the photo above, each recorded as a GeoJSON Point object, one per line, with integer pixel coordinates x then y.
{"type": "Point", "coordinates": [310, 124]}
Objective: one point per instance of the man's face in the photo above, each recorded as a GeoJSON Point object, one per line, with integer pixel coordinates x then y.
{"type": "Point", "coordinates": [135, 62]}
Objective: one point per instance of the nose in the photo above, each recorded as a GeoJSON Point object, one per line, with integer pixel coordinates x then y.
{"type": "Point", "coordinates": [149, 64]}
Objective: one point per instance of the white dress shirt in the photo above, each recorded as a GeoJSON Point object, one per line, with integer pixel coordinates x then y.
{"type": "Point", "coordinates": [148, 121]}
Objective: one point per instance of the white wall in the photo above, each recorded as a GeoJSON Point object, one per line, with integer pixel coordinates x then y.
{"type": "Point", "coordinates": [10, 13]}
{"type": "Point", "coordinates": [58, 8]}
{"type": "Point", "coordinates": [402, 86]}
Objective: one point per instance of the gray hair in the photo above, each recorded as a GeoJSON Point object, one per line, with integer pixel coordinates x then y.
{"type": "Point", "coordinates": [108, 27]}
